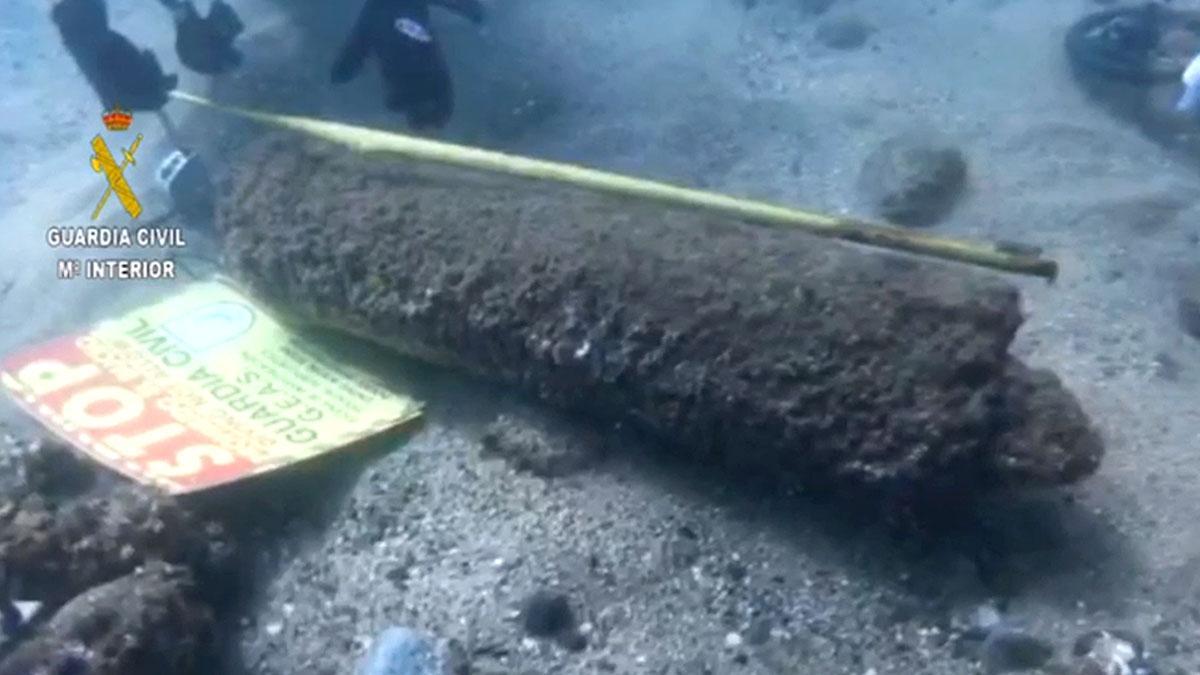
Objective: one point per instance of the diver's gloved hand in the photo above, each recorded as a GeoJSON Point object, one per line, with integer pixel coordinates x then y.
{"type": "Point", "coordinates": [398, 33]}
{"type": "Point", "coordinates": [205, 44]}
{"type": "Point", "coordinates": [120, 73]}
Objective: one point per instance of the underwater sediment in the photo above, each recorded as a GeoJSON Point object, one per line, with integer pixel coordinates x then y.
{"type": "Point", "coordinates": [764, 349]}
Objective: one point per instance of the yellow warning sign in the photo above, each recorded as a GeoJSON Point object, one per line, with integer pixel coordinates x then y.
{"type": "Point", "coordinates": [199, 390]}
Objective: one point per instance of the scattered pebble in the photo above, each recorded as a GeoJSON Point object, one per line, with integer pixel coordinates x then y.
{"type": "Point", "coordinates": [914, 179]}
{"type": "Point", "coordinates": [547, 613]}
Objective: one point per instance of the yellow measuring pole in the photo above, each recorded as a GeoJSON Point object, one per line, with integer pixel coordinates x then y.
{"type": "Point", "coordinates": [881, 235]}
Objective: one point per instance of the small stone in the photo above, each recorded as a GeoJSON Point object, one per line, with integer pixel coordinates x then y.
{"type": "Point", "coordinates": [398, 576]}
{"type": "Point", "coordinates": [547, 614]}
{"type": "Point", "coordinates": [844, 32]}
{"type": "Point", "coordinates": [1007, 650]}
{"type": "Point", "coordinates": [274, 628]}
{"type": "Point", "coordinates": [914, 179]}
{"type": "Point", "coordinates": [733, 641]}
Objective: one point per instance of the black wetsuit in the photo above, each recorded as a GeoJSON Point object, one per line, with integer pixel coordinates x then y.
{"type": "Point", "coordinates": [120, 73]}
{"type": "Point", "coordinates": [205, 43]}
{"type": "Point", "coordinates": [416, 79]}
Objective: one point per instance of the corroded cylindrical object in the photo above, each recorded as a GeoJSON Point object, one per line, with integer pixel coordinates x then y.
{"type": "Point", "coordinates": [761, 348]}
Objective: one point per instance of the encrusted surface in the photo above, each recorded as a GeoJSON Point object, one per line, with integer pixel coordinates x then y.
{"type": "Point", "coordinates": [759, 348]}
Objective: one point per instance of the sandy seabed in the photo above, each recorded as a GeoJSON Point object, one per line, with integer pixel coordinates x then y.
{"type": "Point", "coordinates": [666, 563]}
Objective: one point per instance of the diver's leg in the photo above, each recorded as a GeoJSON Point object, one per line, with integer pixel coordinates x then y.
{"type": "Point", "coordinates": [354, 51]}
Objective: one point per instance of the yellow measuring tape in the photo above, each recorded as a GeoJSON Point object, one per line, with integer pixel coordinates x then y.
{"type": "Point", "coordinates": [881, 235]}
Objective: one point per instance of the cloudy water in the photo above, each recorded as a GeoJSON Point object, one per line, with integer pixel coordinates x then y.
{"type": "Point", "coordinates": [392, 337]}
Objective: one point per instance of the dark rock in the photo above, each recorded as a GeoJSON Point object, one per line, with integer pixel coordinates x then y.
{"type": "Point", "coordinates": [149, 622]}
{"type": "Point", "coordinates": [538, 449]}
{"type": "Point", "coordinates": [914, 179]}
{"type": "Point", "coordinates": [1007, 649]}
{"type": "Point", "coordinates": [53, 469]}
{"type": "Point", "coordinates": [547, 613]}
{"type": "Point", "coordinates": [1189, 308]}
{"type": "Point", "coordinates": [844, 32]}
{"type": "Point", "coordinates": [398, 575]}
{"type": "Point", "coordinates": [52, 554]}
